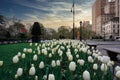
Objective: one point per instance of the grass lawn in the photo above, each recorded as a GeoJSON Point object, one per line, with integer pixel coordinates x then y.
{"type": "Point", "coordinates": [6, 54]}
{"type": "Point", "coordinates": [8, 51]}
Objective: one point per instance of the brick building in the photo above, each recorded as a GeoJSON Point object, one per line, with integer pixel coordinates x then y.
{"type": "Point", "coordinates": [103, 13]}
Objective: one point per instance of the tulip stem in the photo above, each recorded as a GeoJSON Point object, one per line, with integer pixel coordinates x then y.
{"type": "Point", "coordinates": [72, 77]}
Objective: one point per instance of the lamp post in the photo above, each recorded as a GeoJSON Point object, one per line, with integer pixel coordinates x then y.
{"type": "Point", "coordinates": [73, 11]}
{"type": "Point", "coordinates": [80, 30]}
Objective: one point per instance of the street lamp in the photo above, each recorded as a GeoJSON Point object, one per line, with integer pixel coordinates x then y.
{"type": "Point", "coordinates": [73, 11]}
{"type": "Point", "coordinates": [80, 30]}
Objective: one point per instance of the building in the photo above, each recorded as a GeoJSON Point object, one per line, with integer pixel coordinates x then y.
{"type": "Point", "coordinates": [105, 12]}
{"type": "Point", "coordinates": [98, 15]}
{"type": "Point", "coordinates": [111, 28]}
{"type": "Point", "coordinates": [86, 24]}
{"type": "Point", "coordinates": [94, 18]}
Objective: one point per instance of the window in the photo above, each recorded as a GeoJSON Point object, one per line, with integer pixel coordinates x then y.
{"type": "Point", "coordinates": [118, 31]}
{"type": "Point", "coordinates": [113, 25]}
{"type": "Point", "coordinates": [113, 31]}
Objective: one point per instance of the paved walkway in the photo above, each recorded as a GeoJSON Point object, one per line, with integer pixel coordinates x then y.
{"type": "Point", "coordinates": [110, 45]}
{"type": "Point", "coordinates": [102, 45]}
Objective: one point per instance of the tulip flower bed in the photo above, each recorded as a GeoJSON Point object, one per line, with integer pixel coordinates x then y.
{"type": "Point", "coordinates": [54, 60]}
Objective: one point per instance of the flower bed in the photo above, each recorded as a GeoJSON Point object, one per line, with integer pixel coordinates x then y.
{"type": "Point", "coordinates": [57, 60]}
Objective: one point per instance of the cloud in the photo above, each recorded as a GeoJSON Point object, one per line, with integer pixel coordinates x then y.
{"type": "Point", "coordinates": [56, 12]}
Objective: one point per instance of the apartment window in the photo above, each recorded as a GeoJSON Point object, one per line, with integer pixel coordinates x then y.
{"type": "Point", "coordinates": [113, 30]}
{"type": "Point", "coordinates": [118, 26]}
{"type": "Point", "coordinates": [118, 31]}
{"type": "Point", "coordinates": [113, 25]}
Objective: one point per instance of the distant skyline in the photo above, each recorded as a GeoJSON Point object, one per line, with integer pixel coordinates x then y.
{"type": "Point", "coordinates": [51, 13]}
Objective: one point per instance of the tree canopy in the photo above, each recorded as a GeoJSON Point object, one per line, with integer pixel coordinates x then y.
{"type": "Point", "coordinates": [2, 19]}
{"type": "Point", "coordinates": [36, 29]}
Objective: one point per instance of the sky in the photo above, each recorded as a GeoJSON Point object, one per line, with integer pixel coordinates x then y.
{"type": "Point", "coordinates": [51, 13]}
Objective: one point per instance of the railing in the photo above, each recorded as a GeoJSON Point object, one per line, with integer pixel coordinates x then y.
{"type": "Point", "coordinates": [13, 41]}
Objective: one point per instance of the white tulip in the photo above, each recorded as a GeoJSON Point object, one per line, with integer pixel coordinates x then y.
{"type": "Point", "coordinates": [60, 54]}
{"type": "Point", "coordinates": [93, 51]}
{"type": "Point", "coordinates": [84, 50]}
{"type": "Point", "coordinates": [45, 77]}
{"type": "Point", "coordinates": [41, 65]}
{"type": "Point", "coordinates": [68, 53]}
{"type": "Point", "coordinates": [32, 70]}
{"type": "Point", "coordinates": [118, 56]}
{"type": "Point", "coordinates": [58, 62]}
{"type": "Point", "coordinates": [25, 50]}
{"type": "Point", "coordinates": [93, 48]}
{"type": "Point", "coordinates": [59, 51]}
{"type": "Point", "coordinates": [93, 54]}
{"type": "Point", "coordinates": [117, 74]}
{"type": "Point", "coordinates": [36, 77]}
{"type": "Point", "coordinates": [99, 53]}
{"type": "Point", "coordinates": [90, 59]}
{"type": "Point", "coordinates": [88, 47]}
{"type": "Point", "coordinates": [95, 66]}
{"type": "Point", "coordinates": [23, 56]}
{"type": "Point", "coordinates": [117, 68]}
{"type": "Point", "coordinates": [38, 52]}
{"type": "Point", "coordinates": [45, 52]}
{"type": "Point", "coordinates": [72, 66]}
{"type": "Point", "coordinates": [43, 45]}
{"type": "Point", "coordinates": [35, 57]}
{"type": "Point", "coordinates": [105, 59]}
{"type": "Point", "coordinates": [53, 64]}
{"type": "Point", "coordinates": [68, 46]}
{"type": "Point", "coordinates": [86, 75]}
{"type": "Point", "coordinates": [1, 63]}
{"type": "Point", "coordinates": [39, 45]}
{"type": "Point", "coordinates": [62, 47]}
{"type": "Point", "coordinates": [110, 63]}
{"type": "Point", "coordinates": [38, 48]}
{"type": "Point", "coordinates": [104, 67]}
{"type": "Point", "coordinates": [99, 58]}
{"type": "Point", "coordinates": [29, 50]}
{"type": "Point", "coordinates": [76, 50]}
{"type": "Point", "coordinates": [51, 77]}
{"type": "Point", "coordinates": [19, 71]}
{"type": "Point", "coordinates": [78, 61]}
{"type": "Point", "coordinates": [68, 50]}
{"type": "Point", "coordinates": [89, 52]}
{"type": "Point", "coordinates": [96, 56]}
{"type": "Point", "coordinates": [19, 54]}
{"type": "Point", "coordinates": [30, 44]}
{"type": "Point", "coordinates": [36, 44]}
{"type": "Point", "coordinates": [77, 56]}
{"type": "Point", "coordinates": [15, 59]}
{"type": "Point", "coordinates": [48, 48]}
{"type": "Point", "coordinates": [70, 57]}
{"type": "Point", "coordinates": [16, 76]}
{"type": "Point", "coordinates": [50, 55]}
{"type": "Point", "coordinates": [81, 62]}
{"type": "Point", "coordinates": [34, 52]}
{"type": "Point", "coordinates": [78, 46]}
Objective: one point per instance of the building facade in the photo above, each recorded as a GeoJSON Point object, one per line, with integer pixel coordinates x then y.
{"type": "Point", "coordinates": [97, 15]}
{"type": "Point", "coordinates": [111, 28]}
{"type": "Point", "coordinates": [105, 17]}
